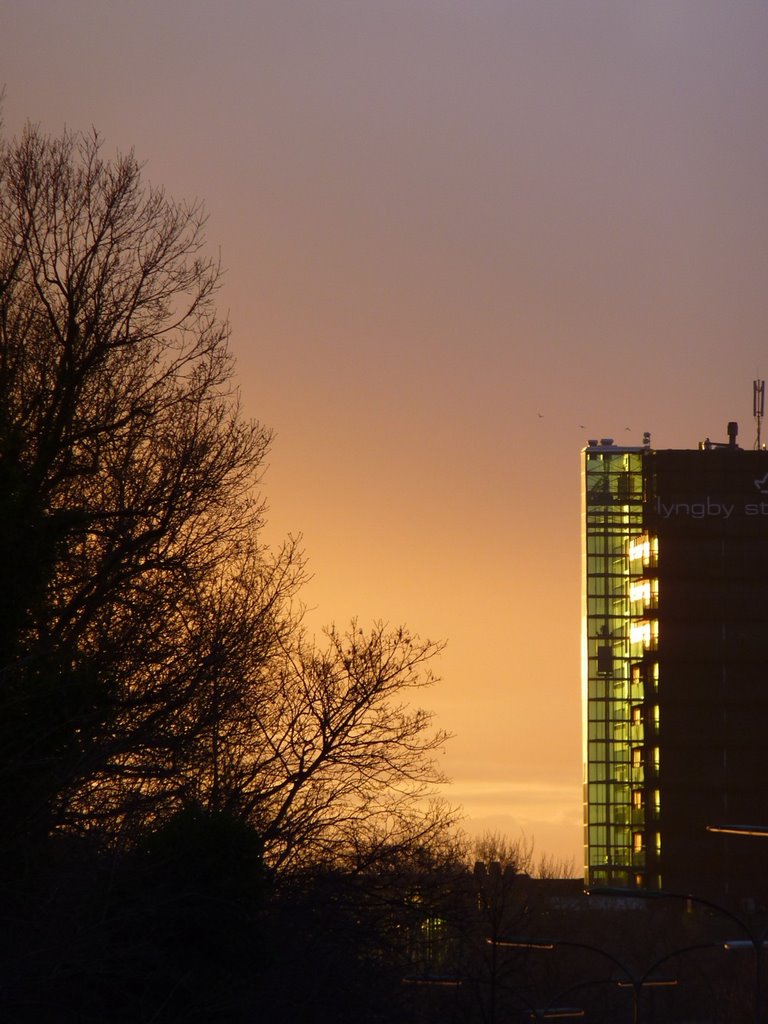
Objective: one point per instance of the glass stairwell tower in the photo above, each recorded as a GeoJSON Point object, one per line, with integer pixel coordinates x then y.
{"type": "Point", "coordinates": [618, 671]}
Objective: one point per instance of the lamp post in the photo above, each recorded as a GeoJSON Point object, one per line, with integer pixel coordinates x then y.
{"type": "Point", "coordinates": [557, 1013]}
{"type": "Point", "coordinates": [553, 1011]}
{"type": "Point", "coordinates": [628, 980]}
{"type": "Point", "coordinates": [739, 830]}
{"type": "Point", "coordinates": [432, 980]}
{"type": "Point", "coordinates": [753, 941]}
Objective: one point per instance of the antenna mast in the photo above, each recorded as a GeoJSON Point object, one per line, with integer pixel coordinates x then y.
{"type": "Point", "coordinates": [758, 406]}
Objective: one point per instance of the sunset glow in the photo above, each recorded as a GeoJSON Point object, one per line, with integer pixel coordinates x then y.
{"type": "Point", "coordinates": [460, 240]}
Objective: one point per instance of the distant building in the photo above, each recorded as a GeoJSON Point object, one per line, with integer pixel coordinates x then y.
{"type": "Point", "coordinates": [675, 666]}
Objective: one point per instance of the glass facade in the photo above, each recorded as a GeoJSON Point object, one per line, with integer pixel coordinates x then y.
{"type": "Point", "coordinates": [619, 671]}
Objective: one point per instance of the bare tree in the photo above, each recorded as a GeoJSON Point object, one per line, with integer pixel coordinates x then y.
{"type": "Point", "coordinates": [514, 855]}
{"type": "Point", "coordinates": [519, 855]}
{"type": "Point", "coordinates": [323, 754]}
{"type": "Point", "coordinates": [150, 656]}
{"type": "Point", "coordinates": [126, 482]}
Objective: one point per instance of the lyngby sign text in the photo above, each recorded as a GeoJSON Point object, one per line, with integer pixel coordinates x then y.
{"type": "Point", "coordinates": [712, 508]}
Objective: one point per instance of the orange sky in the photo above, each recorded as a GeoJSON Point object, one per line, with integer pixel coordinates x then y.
{"type": "Point", "coordinates": [461, 237]}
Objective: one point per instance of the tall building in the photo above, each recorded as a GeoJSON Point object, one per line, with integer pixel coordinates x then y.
{"type": "Point", "coordinates": [675, 666]}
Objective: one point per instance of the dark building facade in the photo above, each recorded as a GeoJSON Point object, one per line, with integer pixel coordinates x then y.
{"type": "Point", "coordinates": [675, 667]}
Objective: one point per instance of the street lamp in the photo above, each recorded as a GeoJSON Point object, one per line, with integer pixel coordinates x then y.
{"type": "Point", "coordinates": [552, 1011]}
{"type": "Point", "coordinates": [434, 1002]}
{"type": "Point", "coordinates": [439, 980]}
{"type": "Point", "coordinates": [753, 941]}
{"type": "Point", "coordinates": [557, 1013]}
{"type": "Point", "coordinates": [629, 980]}
{"type": "Point", "coordinates": [740, 830]}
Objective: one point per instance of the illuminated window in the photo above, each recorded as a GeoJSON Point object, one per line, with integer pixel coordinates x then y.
{"type": "Point", "coordinates": [637, 841]}
{"type": "Point", "coordinates": [640, 591]}
{"type": "Point", "coordinates": [640, 633]}
{"type": "Point", "coordinates": [640, 550]}
{"type": "Point", "coordinates": [434, 940]}
{"type": "Point", "coordinates": [637, 798]}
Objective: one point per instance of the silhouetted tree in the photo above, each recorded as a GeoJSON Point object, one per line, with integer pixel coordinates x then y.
{"type": "Point", "coordinates": [147, 647]}
{"type": "Point", "coordinates": [126, 487]}
{"type": "Point", "coordinates": [171, 741]}
{"type": "Point", "coordinates": [355, 936]}
{"type": "Point", "coordinates": [323, 755]}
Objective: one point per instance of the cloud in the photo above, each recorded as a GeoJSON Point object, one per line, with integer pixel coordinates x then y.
{"type": "Point", "coordinates": [530, 800]}
{"type": "Point", "coordinates": [546, 814]}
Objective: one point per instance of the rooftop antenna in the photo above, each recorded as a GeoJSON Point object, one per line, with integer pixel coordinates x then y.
{"type": "Point", "coordinates": [758, 406]}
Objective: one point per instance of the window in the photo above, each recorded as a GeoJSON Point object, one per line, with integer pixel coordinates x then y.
{"type": "Point", "coordinates": [640, 592]}
{"type": "Point", "coordinates": [605, 659]}
{"type": "Point", "coordinates": [640, 633]}
{"type": "Point", "coordinates": [640, 550]}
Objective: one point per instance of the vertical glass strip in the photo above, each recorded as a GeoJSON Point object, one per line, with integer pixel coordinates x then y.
{"type": "Point", "coordinates": [613, 756]}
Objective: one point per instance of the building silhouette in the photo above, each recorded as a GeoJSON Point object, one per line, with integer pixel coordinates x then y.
{"type": "Point", "coordinates": [675, 667]}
